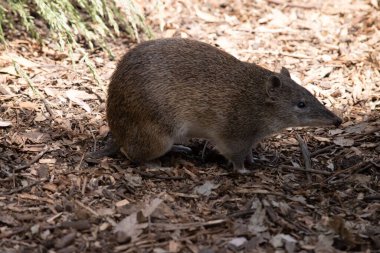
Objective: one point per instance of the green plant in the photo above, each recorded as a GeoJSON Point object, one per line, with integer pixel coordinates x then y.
{"type": "Point", "coordinates": [73, 21]}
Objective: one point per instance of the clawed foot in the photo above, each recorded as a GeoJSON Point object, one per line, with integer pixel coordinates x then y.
{"type": "Point", "coordinates": [244, 171]}
{"type": "Point", "coordinates": [181, 149]}
{"type": "Point", "coordinates": [249, 158]}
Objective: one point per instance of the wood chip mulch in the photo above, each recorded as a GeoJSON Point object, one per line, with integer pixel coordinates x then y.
{"type": "Point", "coordinates": [310, 190]}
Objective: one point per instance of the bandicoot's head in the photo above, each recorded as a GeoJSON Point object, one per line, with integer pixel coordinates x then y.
{"type": "Point", "coordinates": [294, 106]}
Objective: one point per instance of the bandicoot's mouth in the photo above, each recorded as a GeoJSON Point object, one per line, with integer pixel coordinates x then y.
{"type": "Point", "coordinates": [336, 121]}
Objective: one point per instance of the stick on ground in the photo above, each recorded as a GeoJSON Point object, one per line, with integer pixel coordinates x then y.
{"type": "Point", "coordinates": [306, 155]}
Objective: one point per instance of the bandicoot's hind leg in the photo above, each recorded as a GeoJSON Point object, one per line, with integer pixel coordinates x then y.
{"type": "Point", "coordinates": [249, 159]}
{"type": "Point", "coordinates": [146, 144]}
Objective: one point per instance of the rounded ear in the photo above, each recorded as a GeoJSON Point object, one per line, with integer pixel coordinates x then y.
{"type": "Point", "coordinates": [272, 85]}
{"type": "Point", "coordinates": [284, 71]}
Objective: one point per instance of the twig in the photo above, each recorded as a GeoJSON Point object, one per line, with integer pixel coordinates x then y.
{"type": "Point", "coordinates": [322, 150]}
{"type": "Point", "coordinates": [306, 155]}
{"type": "Point", "coordinates": [376, 163]}
{"type": "Point", "coordinates": [261, 191]}
{"type": "Point", "coordinates": [204, 150]}
{"type": "Point", "coordinates": [22, 73]}
{"type": "Point", "coordinates": [101, 100]}
{"type": "Point", "coordinates": [47, 106]}
{"type": "Point", "coordinates": [372, 197]}
{"type": "Point", "coordinates": [303, 6]}
{"type": "Point", "coordinates": [35, 159]}
{"type": "Point", "coordinates": [184, 195]}
{"type": "Point", "coordinates": [26, 187]}
{"type": "Point", "coordinates": [80, 162]}
{"type": "Point", "coordinates": [242, 213]}
{"type": "Point", "coordinates": [355, 169]}
{"type": "Point", "coordinates": [131, 247]}
{"type": "Point", "coordinates": [299, 56]}
{"type": "Point", "coordinates": [356, 138]}
{"type": "Point", "coordinates": [14, 232]}
{"type": "Point", "coordinates": [305, 170]}
{"type": "Point", "coordinates": [377, 129]}
{"type": "Point", "coordinates": [350, 169]}
{"type": "Point", "coordinates": [148, 175]}
{"type": "Point", "coordinates": [183, 226]}
{"type": "Point", "coordinates": [87, 208]}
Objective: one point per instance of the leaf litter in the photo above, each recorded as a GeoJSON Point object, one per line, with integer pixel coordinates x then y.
{"type": "Point", "coordinates": [53, 200]}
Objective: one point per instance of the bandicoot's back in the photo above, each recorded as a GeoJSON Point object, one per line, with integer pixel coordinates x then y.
{"type": "Point", "coordinates": [178, 77]}
{"type": "Point", "coordinates": [167, 90]}
{"type": "Point", "coordinates": [176, 83]}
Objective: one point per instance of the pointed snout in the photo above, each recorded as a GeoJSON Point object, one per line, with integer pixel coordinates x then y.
{"type": "Point", "coordinates": [334, 119]}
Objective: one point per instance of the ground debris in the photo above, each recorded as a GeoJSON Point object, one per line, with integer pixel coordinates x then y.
{"type": "Point", "coordinates": [312, 189]}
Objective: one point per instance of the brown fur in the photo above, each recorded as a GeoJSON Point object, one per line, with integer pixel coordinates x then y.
{"type": "Point", "coordinates": [166, 91]}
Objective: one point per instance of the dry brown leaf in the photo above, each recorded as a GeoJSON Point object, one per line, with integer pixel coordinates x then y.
{"type": "Point", "coordinates": [50, 186]}
{"type": "Point", "coordinates": [324, 244]}
{"type": "Point", "coordinates": [39, 117]}
{"type": "Point", "coordinates": [5, 123]}
{"type": "Point", "coordinates": [206, 16]}
{"type": "Point", "coordinates": [237, 243]}
{"type": "Point", "coordinates": [80, 94]}
{"type": "Point", "coordinates": [151, 207]}
{"type": "Point", "coordinates": [9, 70]}
{"type": "Point", "coordinates": [337, 223]}
{"type": "Point", "coordinates": [357, 129]}
{"type": "Point", "coordinates": [256, 222]}
{"type": "Point", "coordinates": [74, 95]}
{"type": "Point", "coordinates": [343, 142]}
{"type": "Point", "coordinates": [174, 246]}
{"type": "Point", "coordinates": [8, 219]}
{"type": "Point", "coordinates": [130, 227]}
{"type": "Point", "coordinates": [52, 92]}
{"type": "Point", "coordinates": [335, 131]}
{"type": "Point", "coordinates": [206, 188]}
{"type": "Point", "coordinates": [36, 137]}
{"type": "Point", "coordinates": [281, 240]}
{"type": "Point", "coordinates": [322, 139]}
{"type": "Point", "coordinates": [375, 3]}
{"type": "Point", "coordinates": [28, 105]}
{"type": "Point", "coordinates": [10, 57]}
{"type": "Point", "coordinates": [122, 202]}
{"type": "Point", "coordinates": [47, 161]}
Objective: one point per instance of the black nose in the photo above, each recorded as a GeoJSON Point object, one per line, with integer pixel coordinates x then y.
{"type": "Point", "coordinates": [337, 122]}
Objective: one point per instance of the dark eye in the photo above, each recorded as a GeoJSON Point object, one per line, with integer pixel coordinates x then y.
{"type": "Point", "coordinates": [301, 105]}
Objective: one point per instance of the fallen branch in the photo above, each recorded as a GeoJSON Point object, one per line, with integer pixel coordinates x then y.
{"type": "Point", "coordinates": [303, 6]}
{"type": "Point", "coordinates": [356, 138]}
{"type": "Point", "coordinates": [373, 197]}
{"type": "Point", "coordinates": [305, 170]}
{"type": "Point", "coordinates": [48, 108]}
{"type": "Point", "coordinates": [306, 155]}
{"type": "Point", "coordinates": [204, 150]}
{"type": "Point", "coordinates": [183, 226]}
{"type": "Point", "coordinates": [322, 150]}
{"type": "Point", "coordinates": [35, 159]}
{"type": "Point", "coordinates": [89, 209]}
{"type": "Point", "coordinates": [14, 232]}
{"type": "Point", "coordinates": [149, 175]}
{"type": "Point", "coordinates": [349, 170]}
{"type": "Point", "coordinates": [22, 73]}
{"type": "Point", "coordinates": [25, 187]}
